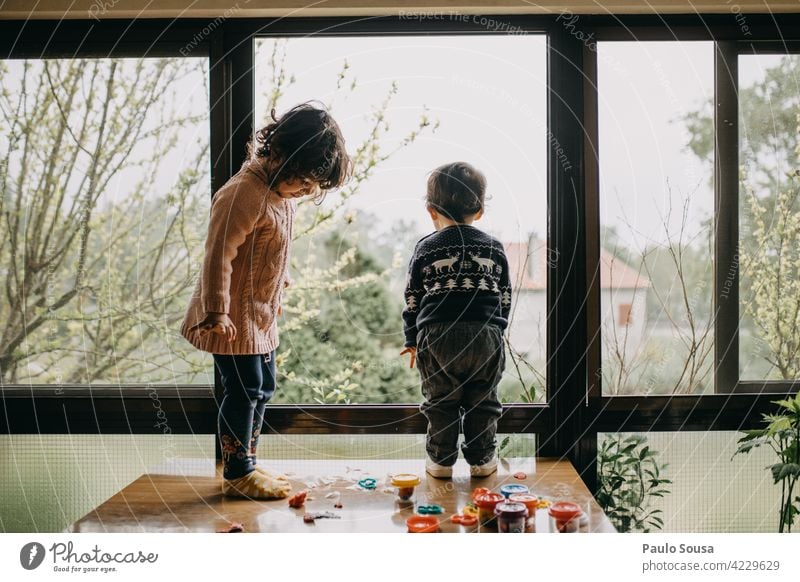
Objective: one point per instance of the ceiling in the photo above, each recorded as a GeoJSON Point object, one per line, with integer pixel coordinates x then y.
{"type": "Point", "coordinates": [82, 9]}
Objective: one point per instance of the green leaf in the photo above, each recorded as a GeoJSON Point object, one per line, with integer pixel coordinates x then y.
{"type": "Point", "coordinates": [782, 470]}
{"type": "Point", "coordinates": [752, 434]}
{"type": "Point", "coordinates": [747, 447]}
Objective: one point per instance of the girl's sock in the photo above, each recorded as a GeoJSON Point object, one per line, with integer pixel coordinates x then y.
{"type": "Point", "coordinates": [257, 485]}
{"type": "Point", "coordinates": [270, 474]}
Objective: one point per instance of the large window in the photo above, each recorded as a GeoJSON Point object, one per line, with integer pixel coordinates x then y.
{"type": "Point", "coordinates": [407, 105]}
{"type": "Point", "coordinates": [105, 196]}
{"type": "Point", "coordinates": [656, 209]}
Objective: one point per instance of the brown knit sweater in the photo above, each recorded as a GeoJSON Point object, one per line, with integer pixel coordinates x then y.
{"type": "Point", "coordinates": [245, 265]}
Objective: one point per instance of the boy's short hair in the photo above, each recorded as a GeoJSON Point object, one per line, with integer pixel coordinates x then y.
{"type": "Point", "coordinates": [456, 190]}
{"type": "Point", "coordinates": [310, 145]}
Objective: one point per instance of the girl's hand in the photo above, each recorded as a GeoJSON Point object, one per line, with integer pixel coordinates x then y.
{"type": "Point", "coordinates": [286, 283]}
{"type": "Point", "coordinates": [413, 352]}
{"type": "Point", "coordinates": [216, 323]}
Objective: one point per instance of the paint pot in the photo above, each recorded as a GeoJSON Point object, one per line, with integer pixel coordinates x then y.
{"type": "Point", "coordinates": [511, 517]}
{"type": "Point", "coordinates": [565, 517]}
{"type": "Point", "coordinates": [477, 492]}
{"type": "Point", "coordinates": [532, 503]}
{"type": "Point", "coordinates": [405, 485]}
{"type": "Point", "coordinates": [513, 488]}
{"type": "Point", "coordinates": [422, 524]}
{"type": "Point", "coordinates": [486, 504]}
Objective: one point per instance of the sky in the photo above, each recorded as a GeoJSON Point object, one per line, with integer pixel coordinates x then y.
{"type": "Point", "coordinates": [644, 89]}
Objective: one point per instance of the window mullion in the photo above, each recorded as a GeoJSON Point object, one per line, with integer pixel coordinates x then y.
{"type": "Point", "coordinates": [726, 212]}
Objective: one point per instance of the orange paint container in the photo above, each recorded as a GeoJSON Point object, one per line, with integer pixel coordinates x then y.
{"type": "Point", "coordinates": [422, 524]}
{"type": "Point", "coordinates": [532, 503]}
{"type": "Point", "coordinates": [565, 517]}
{"type": "Point", "coordinates": [486, 504]}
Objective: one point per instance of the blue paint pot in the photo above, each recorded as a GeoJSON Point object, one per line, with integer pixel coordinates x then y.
{"type": "Point", "coordinates": [512, 488]}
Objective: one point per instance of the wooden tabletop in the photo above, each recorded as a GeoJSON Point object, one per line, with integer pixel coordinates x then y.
{"type": "Point", "coordinates": [184, 495]}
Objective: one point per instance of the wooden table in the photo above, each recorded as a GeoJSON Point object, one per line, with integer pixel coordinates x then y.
{"type": "Point", "coordinates": [184, 495]}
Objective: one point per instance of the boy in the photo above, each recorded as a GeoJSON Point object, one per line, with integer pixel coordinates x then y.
{"type": "Point", "coordinates": [458, 299]}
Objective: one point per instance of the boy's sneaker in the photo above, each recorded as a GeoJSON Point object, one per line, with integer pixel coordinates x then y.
{"type": "Point", "coordinates": [484, 470]}
{"type": "Point", "coordinates": [438, 471]}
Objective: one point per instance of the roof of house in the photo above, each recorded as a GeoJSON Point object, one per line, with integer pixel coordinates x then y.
{"type": "Point", "coordinates": [614, 272]}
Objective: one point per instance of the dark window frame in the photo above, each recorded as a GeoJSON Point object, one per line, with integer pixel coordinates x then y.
{"type": "Point", "coordinates": [576, 410]}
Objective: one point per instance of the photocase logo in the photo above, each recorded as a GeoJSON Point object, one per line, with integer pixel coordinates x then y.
{"type": "Point", "coordinates": [31, 555]}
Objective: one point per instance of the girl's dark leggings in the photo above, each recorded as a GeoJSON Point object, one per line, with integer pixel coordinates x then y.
{"type": "Point", "coordinates": [248, 382]}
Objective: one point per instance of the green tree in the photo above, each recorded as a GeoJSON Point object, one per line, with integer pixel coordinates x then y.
{"type": "Point", "coordinates": [768, 273]}
{"type": "Point", "coordinates": [767, 123]}
{"type": "Point", "coordinates": [94, 286]}
{"type": "Point", "coordinates": [774, 267]}
{"type": "Point", "coordinates": [348, 353]}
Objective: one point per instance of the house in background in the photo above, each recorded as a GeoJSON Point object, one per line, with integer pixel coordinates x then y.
{"type": "Point", "coordinates": [623, 296]}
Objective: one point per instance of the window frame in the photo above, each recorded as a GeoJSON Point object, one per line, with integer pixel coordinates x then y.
{"type": "Point", "coordinates": [727, 361]}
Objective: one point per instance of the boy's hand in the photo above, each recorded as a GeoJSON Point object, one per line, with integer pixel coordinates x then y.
{"type": "Point", "coordinates": [216, 323]}
{"type": "Point", "coordinates": [413, 352]}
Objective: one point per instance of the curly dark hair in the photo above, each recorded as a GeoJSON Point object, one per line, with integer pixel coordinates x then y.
{"type": "Point", "coordinates": [308, 143]}
{"type": "Point", "coordinates": [456, 190]}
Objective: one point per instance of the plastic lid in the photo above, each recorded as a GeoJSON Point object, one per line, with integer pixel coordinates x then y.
{"type": "Point", "coordinates": [477, 492]}
{"type": "Point", "coordinates": [405, 480]}
{"type": "Point", "coordinates": [527, 499]}
{"type": "Point", "coordinates": [489, 500]}
{"type": "Point", "coordinates": [430, 509]}
{"type": "Point", "coordinates": [512, 488]}
{"type": "Point", "coordinates": [511, 510]}
{"type": "Point", "coordinates": [422, 524]}
{"type": "Point", "coordinates": [565, 510]}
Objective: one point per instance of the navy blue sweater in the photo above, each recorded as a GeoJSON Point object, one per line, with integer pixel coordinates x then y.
{"type": "Point", "coordinates": [459, 273]}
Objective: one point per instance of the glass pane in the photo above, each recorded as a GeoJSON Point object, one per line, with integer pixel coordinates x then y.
{"type": "Point", "coordinates": [769, 218]}
{"type": "Point", "coordinates": [105, 187]}
{"type": "Point", "coordinates": [656, 205]}
{"type": "Point", "coordinates": [407, 105]}
{"type": "Point", "coordinates": [51, 481]}
{"type": "Point", "coordinates": [711, 491]}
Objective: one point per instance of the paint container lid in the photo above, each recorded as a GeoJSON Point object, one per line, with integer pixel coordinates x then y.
{"type": "Point", "coordinates": [528, 500]}
{"type": "Point", "coordinates": [511, 510]}
{"type": "Point", "coordinates": [512, 488]}
{"type": "Point", "coordinates": [405, 480]}
{"type": "Point", "coordinates": [489, 500]}
{"type": "Point", "coordinates": [565, 510]}
{"type": "Point", "coordinates": [422, 524]}
{"type": "Point", "coordinates": [478, 491]}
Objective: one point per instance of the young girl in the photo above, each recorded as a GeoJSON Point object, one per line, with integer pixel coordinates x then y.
{"type": "Point", "coordinates": [233, 310]}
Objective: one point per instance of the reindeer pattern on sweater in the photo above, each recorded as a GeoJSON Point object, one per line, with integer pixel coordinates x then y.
{"type": "Point", "coordinates": [459, 273]}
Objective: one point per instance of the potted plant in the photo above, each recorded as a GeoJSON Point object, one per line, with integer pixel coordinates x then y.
{"type": "Point", "coordinates": [782, 435]}
{"type": "Point", "coordinates": [629, 476]}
